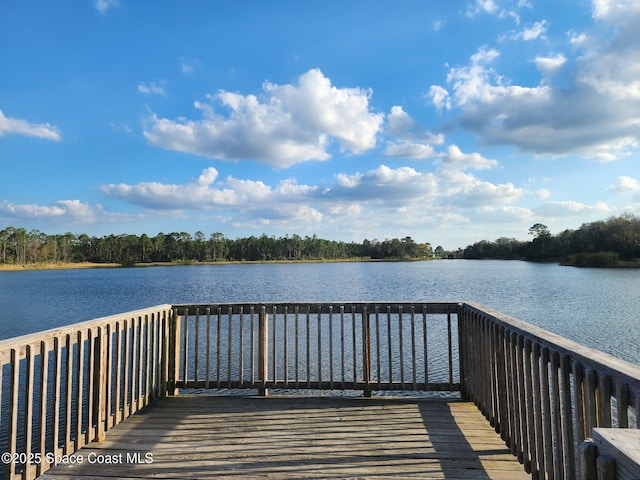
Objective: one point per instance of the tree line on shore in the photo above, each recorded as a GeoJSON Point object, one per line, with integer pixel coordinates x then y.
{"type": "Point", "coordinates": [19, 246]}
{"type": "Point", "coordinates": [601, 243]}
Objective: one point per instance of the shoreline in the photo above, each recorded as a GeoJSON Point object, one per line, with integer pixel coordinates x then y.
{"type": "Point", "coordinates": [87, 265]}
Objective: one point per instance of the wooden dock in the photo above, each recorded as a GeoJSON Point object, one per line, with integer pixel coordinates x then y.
{"type": "Point", "coordinates": [197, 436]}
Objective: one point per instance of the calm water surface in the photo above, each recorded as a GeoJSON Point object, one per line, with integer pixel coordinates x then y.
{"type": "Point", "coordinates": [596, 307]}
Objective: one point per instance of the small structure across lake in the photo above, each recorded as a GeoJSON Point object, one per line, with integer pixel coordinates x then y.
{"type": "Point", "coordinates": [508, 400]}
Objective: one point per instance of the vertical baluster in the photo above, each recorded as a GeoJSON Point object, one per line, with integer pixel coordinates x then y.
{"type": "Point", "coordinates": [450, 350]}
{"type": "Point", "coordinates": [241, 350]}
{"type": "Point", "coordinates": [342, 349]}
{"type": "Point", "coordinates": [263, 350]}
{"type": "Point", "coordinates": [140, 364]}
{"type": "Point", "coordinates": [531, 413]}
{"type": "Point", "coordinates": [218, 348]}
{"type": "Point", "coordinates": [14, 388]}
{"type": "Point", "coordinates": [413, 348]}
{"type": "Point", "coordinates": [207, 372]}
{"type": "Point", "coordinates": [331, 347]}
{"type": "Point", "coordinates": [69, 373]}
{"type": "Point", "coordinates": [79, 392]}
{"type": "Point", "coordinates": [495, 373]}
{"type": "Point", "coordinates": [556, 423]}
{"type": "Point", "coordinates": [425, 339]}
{"type": "Point", "coordinates": [389, 350]}
{"type": "Point", "coordinates": [546, 415]}
{"type": "Point", "coordinates": [319, 342]}
{"type": "Point", "coordinates": [514, 415]}
{"type": "Point", "coordinates": [92, 377]}
{"type": "Point", "coordinates": [285, 314]}
{"type": "Point", "coordinates": [44, 401]}
{"type": "Point", "coordinates": [196, 348]}
{"type": "Point", "coordinates": [229, 345]}
{"type": "Point", "coordinates": [522, 404]}
{"type": "Point", "coordinates": [297, 346]}
{"type": "Point", "coordinates": [118, 367]}
{"type": "Point", "coordinates": [578, 401]}
{"type": "Point", "coordinates": [366, 351]}
{"type": "Point", "coordinates": [353, 339]}
{"type": "Point", "coordinates": [147, 359]}
{"type": "Point", "coordinates": [538, 411]}
{"type": "Point", "coordinates": [591, 407]}
{"type": "Point", "coordinates": [378, 366]}
{"type": "Point", "coordinates": [57, 386]}
{"type": "Point", "coordinates": [622, 402]}
{"type": "Point", "coordinates": [28, 405]}
{"type": "Point", "coordinates": [401, 340]}
{"type": "Point", "coordinates": [308, 339]}
{"type": "Point", "coordinates": [252, 312]}
{"type": "Point", "coordinates": [566, 413]}
{"type": "Point", "coordinates": [604, 414]}
{"type": "Point", "coordinates": [503, 418]}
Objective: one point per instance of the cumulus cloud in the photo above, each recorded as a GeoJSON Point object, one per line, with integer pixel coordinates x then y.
{"type": "Point", "coordinates": [383, 194]}
{"type": "Point", "coordinates": [454, 158]}
{"type": "Point", "coordinates": [14, 126]}
{"type": "Point", "coordinates": [64, 211]}
{"type": "Point", "coordinates": [550, 65]}
{"type": "Point", "coordinates": [624, 184]}
{"type": "Point", "coordinates": [289, 124]}
{"type": "Point", "coordinates": [411, 140]}
{"type": "Point", "coordinates": [535, 31]}
{"type": "Point", "coordinates": [594, 113]}
{"type": "Point", "coordinates": [571, 208]}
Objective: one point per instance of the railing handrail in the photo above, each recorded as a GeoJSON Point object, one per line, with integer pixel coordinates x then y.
{"type": "Point", "coordinates": [35, 338]}
{"type": "Point", "coordinates": [591, 357]}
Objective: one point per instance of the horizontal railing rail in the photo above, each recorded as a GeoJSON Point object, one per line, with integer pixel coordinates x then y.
{"type": "Point", "coordinates": [543, 393]}
{"type": "Point", "coordinates": [63, 388]}
{"type": "Point", "coordinates": [346, 346]}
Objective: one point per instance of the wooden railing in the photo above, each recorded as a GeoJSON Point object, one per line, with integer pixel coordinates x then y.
{"type": "Point", "coordinates": [63, 388]}
{"type": "Point", "coordinates": [350, 346]}
{"type": "Point", "coordinates": [543, 393]}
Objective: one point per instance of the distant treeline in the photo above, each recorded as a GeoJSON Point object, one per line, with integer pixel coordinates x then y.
{"type": "Point", "coordinates": [19, 246]}
{"type": "Point", "coordinates": [602, 243]}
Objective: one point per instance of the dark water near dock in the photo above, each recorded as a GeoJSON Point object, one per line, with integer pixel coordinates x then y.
{"type": "Point", "coordinates": [599, 308]}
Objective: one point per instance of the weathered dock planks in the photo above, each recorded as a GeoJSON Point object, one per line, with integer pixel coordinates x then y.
{"type": "Point", "coordinates": [195, 436]}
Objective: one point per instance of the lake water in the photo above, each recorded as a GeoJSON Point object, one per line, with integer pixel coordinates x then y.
{"type": "Point", "coordinates": [599, 308]}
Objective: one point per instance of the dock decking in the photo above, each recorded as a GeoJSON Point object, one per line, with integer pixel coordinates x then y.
{"type": "Point", "coordinates": [197, 436]}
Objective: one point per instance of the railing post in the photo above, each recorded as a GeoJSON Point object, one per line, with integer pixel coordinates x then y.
{"type": "Point", "coordinates": [174, 353]}
{"type": "Point", "coordinates": [263, 351]}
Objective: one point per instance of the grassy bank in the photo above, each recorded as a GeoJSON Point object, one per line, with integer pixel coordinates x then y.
{"type": "Point", "coordinates": [72, 265]}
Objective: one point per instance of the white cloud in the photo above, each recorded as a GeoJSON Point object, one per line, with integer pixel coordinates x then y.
{"type": "Point", "coordinates": [14, 126]}
{"type": "Point", "coordinates": [390, 197]}
{"type": "Point", "coordinates": [624, 184]}
{"type": "Point", "coordinates": [571, 208]}
{"type": "Point", "coordinates": [104, 5]}
{"type": "Point", "coordinates": [594, 112]}
{"type": "Point", "coordinates": [550, 65]}
{"type": "Point", "coordinates": [63, 211]}
{"type": "Point", "coordinates": [413, 140]}
{"type": "Point", "coordinates": [290, 124]}
{"type": "Point", "coordinates": [455, 159]}
{"type": "Point", "coordinates": [466, 191]}
{"type": "Point", "coordinates": [535, 31]}
{"type": "Point", "coordinates": [151, 89]}
{"type": "Point", "coordinates": [543, 193]}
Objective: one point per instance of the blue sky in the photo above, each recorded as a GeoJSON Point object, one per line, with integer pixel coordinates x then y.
{"type": "Point", "coordinates": [450, 122]}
